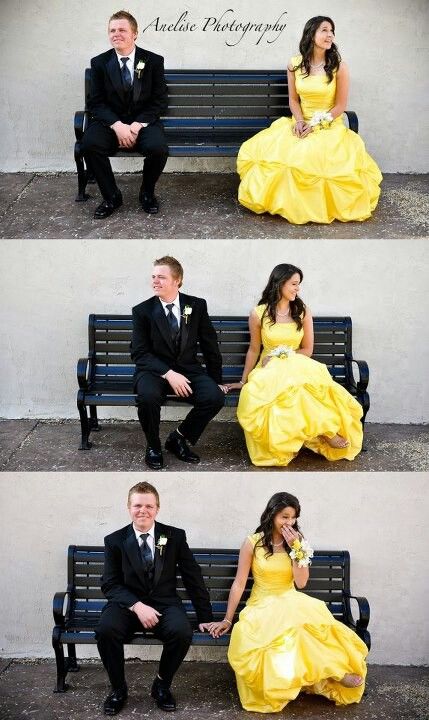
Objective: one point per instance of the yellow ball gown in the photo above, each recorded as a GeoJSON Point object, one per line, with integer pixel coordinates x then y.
{"type": "Point", "coordinates": [286, 642]}
{"type": "Point", "coordinates": [292, 401]}
{"type": "Point", "coordinates": [325, 176]}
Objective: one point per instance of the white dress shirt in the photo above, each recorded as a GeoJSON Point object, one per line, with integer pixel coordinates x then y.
{"type": "Point", "coordinates": [129, 63]}
{"type": "Point", "coordinates": [175, 310]}
{"type": "Point", "coordinates": [150, 538]}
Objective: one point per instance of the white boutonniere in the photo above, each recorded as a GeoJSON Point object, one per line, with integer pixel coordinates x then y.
{"type": "Point", "coordinates": [282, 351]}
{"type": "Point", "coordinates": [139, 68]}
{"type": "Point", "coordinates": [321, 120]}
{"type": "Point", "coordinates": [162, 542]}
{"type": "Point", "coordinates": [187, 312]}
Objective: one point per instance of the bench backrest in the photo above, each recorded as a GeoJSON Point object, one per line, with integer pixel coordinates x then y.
{"type": "Point", "coordinates": [110, 337]}
{"type": "Point", "coordinates": [230, 101]}
{"type": "Point", "coordinates": [329, 580]}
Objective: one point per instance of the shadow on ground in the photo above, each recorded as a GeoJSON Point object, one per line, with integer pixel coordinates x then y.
{"type": "Point", "coordinates": [204, 691]}
{"type": "Point", "coordinates": [192, 205]}
{"type": "Point", "coordinates": [41, 445]}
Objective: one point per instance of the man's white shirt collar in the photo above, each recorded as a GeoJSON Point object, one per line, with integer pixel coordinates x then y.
{"type": "Point", "coordinates": [150, 532]}
{"type": "Point", "coordinates": [130, 63]}
{"type": "Point", "coordinates": [175, 302]}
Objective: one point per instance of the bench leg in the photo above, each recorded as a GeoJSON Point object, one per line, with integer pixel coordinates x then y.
{"type": "Point", "coordinates": [93, 419]}
{"type": "Point", "coordinates": [82, 174]}
{"type": "Point", "coordinates": [84, 426]}
{"type": "Point", "coordinates": [61, 685]}
{"type": "Point", "coordinates": [365, 405]}
{"type": "Point", "coordinates": [71, 661]}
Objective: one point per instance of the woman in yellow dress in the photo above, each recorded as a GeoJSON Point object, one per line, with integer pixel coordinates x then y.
{"type": "Point", "coordinates": [286, 641]}
{"type": "Point", "coordinates": [289, 400]}
{"type": "Point", "coordinates": [311, 168]}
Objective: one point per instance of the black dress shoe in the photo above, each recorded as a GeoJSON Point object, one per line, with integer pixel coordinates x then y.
{"type": "Point", "coordinates": [178, 446]}
{"type": "Point", "coordinates": [115, 702]}
{"type": "Point", "coordinates": [149, 203]}
{"type": "Point", "coordinates": [107, 207]}
{"type": "Point", "coordinates": [163, 696]}
{"type": "Point", "coordinates": [153, 458]}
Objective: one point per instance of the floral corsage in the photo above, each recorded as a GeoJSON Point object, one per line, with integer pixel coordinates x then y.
{"type": "Point", "coordinates": [282, 351]}
{"type": "Point", "coordinates": [162, 542]}
{"type": "Point", "coordinates": [321, 120]}
{"type": "Point", "coordinates": [187, 312]}
{"type": "Point", "coordinates": [139, 68]}
{"type": "Point", "coordinates": [301, 552]}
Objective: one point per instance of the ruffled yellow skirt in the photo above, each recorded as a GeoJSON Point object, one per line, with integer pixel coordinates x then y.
{"type": "Point", "coordinates": [290, 403]}
{"type": "Point", "coordinates": [325, 176]}
{"type": "Point", "coordinates": [287, 643]}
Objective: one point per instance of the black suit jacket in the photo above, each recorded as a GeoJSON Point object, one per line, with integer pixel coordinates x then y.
{"type": "Point", "coordinates": [152, 348]}
{"type": "Point", "coordinates": [125, 582]}
{"type": "Point", "coordinates": [107, 100]}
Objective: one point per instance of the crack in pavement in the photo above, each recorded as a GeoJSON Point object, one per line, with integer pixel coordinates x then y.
{"type": "Point", "coordinates": [19, 446]}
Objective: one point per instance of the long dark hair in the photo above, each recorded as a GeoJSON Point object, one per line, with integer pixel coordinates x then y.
{"type": "Point", "coordinates": [278, 502]}
{"type": "Point", "coordinates": [273, 292]}
{"type": "Point", "coordinates": [306, 45]}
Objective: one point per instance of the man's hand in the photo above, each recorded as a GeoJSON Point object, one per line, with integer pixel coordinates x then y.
{"type": "Point", "coordinates": [135, 128]}
{"type": "Point", "coordinates": [147, 615]}
{"type": "Point", "coordinates": [179, 383]}
{"type": "Point", "coordinates": [126, 137]}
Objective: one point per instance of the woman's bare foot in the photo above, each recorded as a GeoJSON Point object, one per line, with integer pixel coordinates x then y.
{"type": "Point", "coordinates": [351, 680]}
{"type": "Point", "coordinates": [335, 442]}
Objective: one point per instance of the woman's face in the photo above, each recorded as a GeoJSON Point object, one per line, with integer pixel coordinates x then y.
{"type": "Point", "coordinates": [324, 36]}
{"type": "Point", "coordinates": [287, 516]}
{"type": "Point", "coordinates": [290, 288]}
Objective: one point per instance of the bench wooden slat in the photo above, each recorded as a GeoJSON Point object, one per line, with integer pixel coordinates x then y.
{"type": "Point", "coordinates": [219, 102]}
{"type": "Point", "coordinates": [221, 90]}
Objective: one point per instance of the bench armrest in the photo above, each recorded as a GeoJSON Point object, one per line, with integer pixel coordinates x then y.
{"type": "Point", "coordinates": [364, 613]}
{"type": "Point", "coordinates": [82, 371]}
{"type": "Point", "coordinates": [353, 120]}
{"type": "Point", "coordinates": [363, 381]}
{"type": "Point", "coordinates": [81, 118]}
{"type": "Point", "coordinates": [58, 608]}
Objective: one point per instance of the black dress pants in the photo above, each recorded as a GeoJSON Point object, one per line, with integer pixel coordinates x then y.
{"type": "Point", "coordinates": [116, 627]}
{"type": "Point", "coordinates": [207, 399]}
{"type": "Point", "coordinates": [100, 141]}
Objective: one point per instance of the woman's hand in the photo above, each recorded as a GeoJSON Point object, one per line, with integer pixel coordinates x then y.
{"type": "Point", "coordinates": [216, 629]}
{"type": "Point", "coordinates": [233, 386]}
{"type": "Point", "coordinates": [290, 534]}
{"type": "Point", "coordinates": [266, 360]}
{"type": "Point", "coordinates": [301, 129]}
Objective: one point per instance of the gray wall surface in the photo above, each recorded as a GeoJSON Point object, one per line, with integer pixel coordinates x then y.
{"type": "Point", "coordinates": [47, 44]}
{"type": "Point", "coordinates": [380, 519]}
{"type": "Point", "coordinates": [49, 287]}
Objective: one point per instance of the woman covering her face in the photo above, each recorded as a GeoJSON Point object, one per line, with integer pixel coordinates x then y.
{"type": "Point", "coordinates": [311, 168]}
{"type": "Point", "coordinates": [286, 641]}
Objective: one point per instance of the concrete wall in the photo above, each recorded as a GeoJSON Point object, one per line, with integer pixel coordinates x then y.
{"type": "Point", "coordinates": [49, 287]}
{"type": "Point", "coordinates": [46, 44]}
{"type": "Point", "coordinates": [381, 520]}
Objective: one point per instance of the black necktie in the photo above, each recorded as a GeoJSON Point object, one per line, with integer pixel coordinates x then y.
{"type": "Point", "coordinates": [146, 552]}
{"type": "Point", "coordinates": [172, 321]}
{"type": "Point", "coordinates": [126, 75]}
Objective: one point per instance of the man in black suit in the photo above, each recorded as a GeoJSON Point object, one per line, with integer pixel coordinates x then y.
{"type": "Point", "coordinates": [167, 330]}
{"type": "Point", "coordinates": [139, 582]}
{"type": "Point", "coordinates": [128, 94]}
